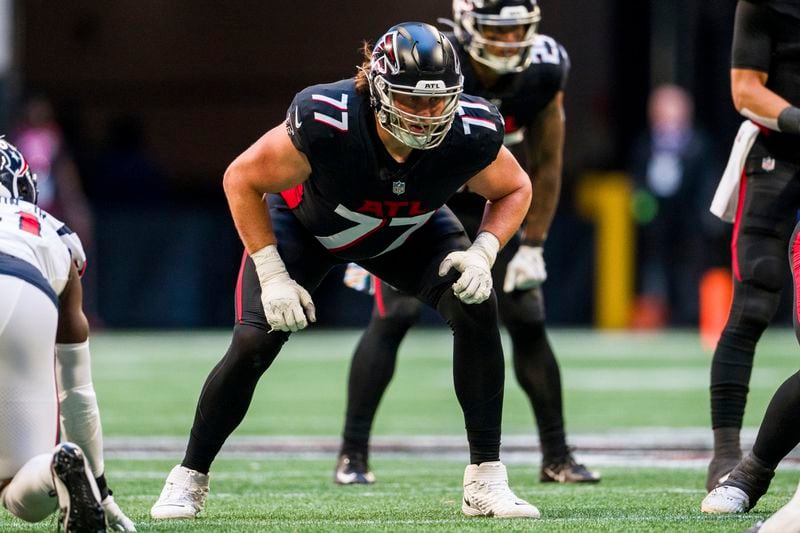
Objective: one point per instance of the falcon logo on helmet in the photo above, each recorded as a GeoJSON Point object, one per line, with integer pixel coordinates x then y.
{"type": "Point", "coordinates": [414, 83]}
{"type": "Point", "coordinates": [479, 25]}
{"type": "Point", "coordinates": [16, 178]}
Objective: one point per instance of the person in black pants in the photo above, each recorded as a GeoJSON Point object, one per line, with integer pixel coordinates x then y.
{"type": "Point", "coordinates": [765, 82]}
{"type": "Point", "coordinates": [363, 167]}
{"type": "Point", "coordinates": [505, 61]}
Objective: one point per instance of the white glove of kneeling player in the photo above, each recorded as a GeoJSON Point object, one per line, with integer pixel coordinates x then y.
{"type": "Point", "coordinates": [526, 269]}
{"type": "Point", "coordinates": [475, 264]}
{"type": "Point", "coordinates": [286, 303]}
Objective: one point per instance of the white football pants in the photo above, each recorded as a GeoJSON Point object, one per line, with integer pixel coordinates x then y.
{"type": "Point", "coordinates": [28, 401]}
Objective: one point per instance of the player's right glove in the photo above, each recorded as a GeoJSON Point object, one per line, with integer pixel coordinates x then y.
{"type": "Point", "coordinates": [475, 264]}
{"type": "Point", "coordinates": [287, 305]}
{"type": "Point", "coordinates": [358, 278]}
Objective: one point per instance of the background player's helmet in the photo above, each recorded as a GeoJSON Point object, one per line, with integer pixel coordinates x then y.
{"type": "Point", "coordinates": [415, 60]}
{"type": "Point", "coordinates": [475, 18]}
{"type": "Point", "coordinates": [16, 178]}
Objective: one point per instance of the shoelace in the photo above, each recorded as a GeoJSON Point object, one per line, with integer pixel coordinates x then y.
{"type": "Point", "coordinates": [186, 492]}
{"type": "Point", "coordinates": [494, 492]}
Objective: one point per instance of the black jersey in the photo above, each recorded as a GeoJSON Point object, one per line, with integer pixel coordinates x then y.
{"type": "Point", "coordinates": [520, 97]}
{"type": "Point", "coordinates": [358, 201]}
{"type": "Point", "coordinates": [767, 38]}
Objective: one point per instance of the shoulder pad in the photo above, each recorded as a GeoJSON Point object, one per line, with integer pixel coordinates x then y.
{"type": "Point", "coordinates": [321, 112]}
{"type": "Point", "coordinates": [480, 122]}
{"type": "Point", "coordinates": [551, 58]}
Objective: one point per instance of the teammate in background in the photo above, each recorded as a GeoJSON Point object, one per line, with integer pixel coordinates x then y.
{"type": "Point", "coordinates": [39, 282]}
{"type": "Point", "coordinates": [363, 167]}
{"type": "Point", "coordinates": [524, 74]}
{"type": "Point", "coordinates": [764, 82]}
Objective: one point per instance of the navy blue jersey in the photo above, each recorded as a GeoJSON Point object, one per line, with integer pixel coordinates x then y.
{"type": "Point", "coordinates": [521, 96]}
{"type": "Point", "coordinates": [358, 201]}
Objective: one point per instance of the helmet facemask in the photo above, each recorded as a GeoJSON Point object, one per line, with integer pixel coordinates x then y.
{"type": "Point", "coordinates": [513, 56]}
{"type": "Point", "coordinates": [419, 131]}
{"type": "Point", "coordinates": [415, 82]}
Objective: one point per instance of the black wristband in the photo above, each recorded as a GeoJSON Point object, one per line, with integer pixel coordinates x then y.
{"type": "Point", "coordinates": [536, 243]}
{"type": "Point", "coordinates": [789, 120]}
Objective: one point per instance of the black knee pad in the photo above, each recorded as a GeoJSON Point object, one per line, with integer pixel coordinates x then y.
{"type": "Point", "coordinates": [753, 307]}
{"type": "Point", "coordinates": [762, 259]}
{"type": "Point", "coordinates": [459, 314]}
{"type": "Point", "coordinates": [255, 348]}
{"type": "Point", "coordinates": [522, 309]}
{"type": "Point", "coordinates": [401, 309]}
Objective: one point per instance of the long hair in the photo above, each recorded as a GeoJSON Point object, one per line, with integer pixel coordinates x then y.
{"type": "Point", "coordinates": [362, 83]}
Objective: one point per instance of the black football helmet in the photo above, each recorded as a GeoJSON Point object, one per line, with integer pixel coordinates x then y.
{"type": "Point", "coordinates": [472, 18]}
{"type": "Point", "coordinates": [16, 178]}
{"type": "Point", "coordinates": [415, 60]}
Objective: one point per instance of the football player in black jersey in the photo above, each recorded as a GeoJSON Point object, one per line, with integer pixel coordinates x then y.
{"type": "Point", "coordinates": [363, 167]}
{"type": "Point", "coordinates": [524, 73]}
{"type": "Point", "coordinates": [765, 81]}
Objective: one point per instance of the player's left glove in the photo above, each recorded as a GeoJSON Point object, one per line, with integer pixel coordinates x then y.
{"type": "Point", "coordinates": [287, 305]}
{"type": "Point", "coordinates": [475, 264]}
{"type": "Point", "coordinates": [526, 269]}
{"type": "Point", "coordinates": [73, 242]}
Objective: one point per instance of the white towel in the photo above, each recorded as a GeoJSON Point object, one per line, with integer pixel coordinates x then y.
{"type": "Point", "coordinates": [726, 198]}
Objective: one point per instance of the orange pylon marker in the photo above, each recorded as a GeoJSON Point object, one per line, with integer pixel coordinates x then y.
{"type": "Point", "coordinates": [716, 294]}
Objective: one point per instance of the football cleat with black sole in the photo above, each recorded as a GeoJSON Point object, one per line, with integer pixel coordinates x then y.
{"type": "Point", "coordinates": [567, 470]}
{"type": "Point", "coordinates": [353, 469]}
{"type": "Point", "coordinates": [78, 496]}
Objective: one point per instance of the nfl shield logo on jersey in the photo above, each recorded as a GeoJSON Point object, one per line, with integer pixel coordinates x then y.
{"type": "Point", "coordinates": [768, 164]}
{"type": "Point", "coordinates": [398, 187]}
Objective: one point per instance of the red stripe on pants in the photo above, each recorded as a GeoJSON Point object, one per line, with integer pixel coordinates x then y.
{"type": "Point", "coordinates": [736, 225]}
{"type": "Point", "coordinates": [238, 294]}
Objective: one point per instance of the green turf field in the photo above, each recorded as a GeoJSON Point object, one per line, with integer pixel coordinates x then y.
{"type": "Point", "coordinates": [614, 383]}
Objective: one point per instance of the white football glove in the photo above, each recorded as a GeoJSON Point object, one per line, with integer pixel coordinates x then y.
{"type": "Point", "coordinates": [73, 242]}
{"type": "Point", "coordinates": [286, 303]}
{"type": "Point", "coordinates": [526, 269]}
{"type": "Point", "coordinates": [115, 518]}
{"type": "Point", "coordinates": [359, 279]}
{"type": "Point", "coordinates": [475, 264]}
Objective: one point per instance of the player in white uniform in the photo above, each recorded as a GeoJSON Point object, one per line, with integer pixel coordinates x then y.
{"type": "Point", "coordinates": [42, 305]}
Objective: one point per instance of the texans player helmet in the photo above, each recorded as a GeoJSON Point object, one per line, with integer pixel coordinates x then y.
{"type": "Point", "coordinates": [479, 25]}
{"type": "Point", "coordinates": [414, 83]}
{"type": "Point", "coordinates": [16, 178]}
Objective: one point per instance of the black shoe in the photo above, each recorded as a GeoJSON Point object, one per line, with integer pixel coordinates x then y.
{"type": "Point", "coordinates": [567, 470]}
{"type": "Point", "coordinates": [353, 469]}
{"type": "Point", "coordinates": [78, 497]}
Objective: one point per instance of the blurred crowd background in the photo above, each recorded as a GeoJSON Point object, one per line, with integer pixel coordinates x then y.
{"type": "Point", "coordinates": [131, 110]}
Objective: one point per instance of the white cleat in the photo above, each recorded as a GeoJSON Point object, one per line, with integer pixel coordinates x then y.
{"type": "Point", "coordinates": [486, 493]}
{"type": "Point", "coordinates": [183, 496]}
{"type": "Point", "coordinates": [726, 499]}
{"type": "Point", "coordinates": [116, 519]}
{"type": "Point", "coordinates": [786, 519]}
